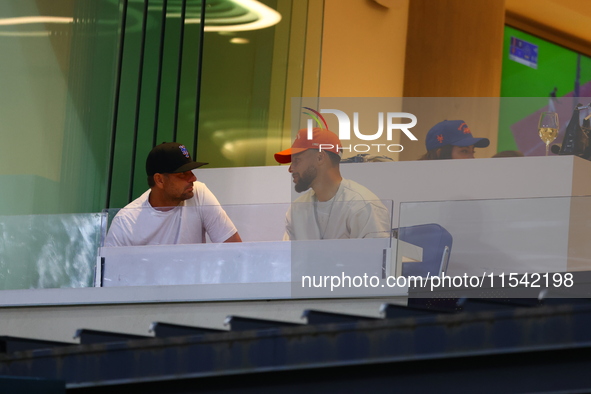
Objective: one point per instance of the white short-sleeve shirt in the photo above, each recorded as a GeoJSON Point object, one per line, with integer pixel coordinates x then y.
{"type": "Point", "coordinates": [141, 224]}
{"type": "Point", "coordinates": [353, 212]}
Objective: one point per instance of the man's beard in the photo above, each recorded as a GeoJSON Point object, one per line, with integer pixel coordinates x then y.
{"type": "Point", "coordinates": [187, 194]}
{"type": "Point", "coordinates": [306, 179]}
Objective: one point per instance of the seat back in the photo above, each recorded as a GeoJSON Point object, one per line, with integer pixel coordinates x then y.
{"type": "Point", "coordinates": [436, 242]}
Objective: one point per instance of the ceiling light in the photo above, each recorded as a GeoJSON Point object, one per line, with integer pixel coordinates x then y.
{"type": "Point", "coordinates": [239, 40]}
{"type": "Point", "coordinates": [25, 20]}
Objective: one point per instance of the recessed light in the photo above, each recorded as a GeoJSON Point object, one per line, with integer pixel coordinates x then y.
{"type": "Point", "coordinates": [239, 40]}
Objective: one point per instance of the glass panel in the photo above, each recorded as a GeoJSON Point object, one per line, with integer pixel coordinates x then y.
{"type": "Point", "coordinates": [479, 245]}
{"type": "Point", "coordinates": [248, 74]}
{"type": "Point", "coordinates": [158, 90]}
{"type": "Point", "coordinates": [255, 223]}
{"type": "Point", "coordinates": [59, 61]}
{"type": "Point", "coordinates": [171, 248]}
{"type": "Point", "coordinates": [48, 251]}
{"type": "Point", "coordinates": [150, 258]}
{"type": "Point", "coordinates": [341, 249]}
{"type": "Point", "coordinates": [396, 128]}
{"type": "Point", "coordinates": [339, 219]}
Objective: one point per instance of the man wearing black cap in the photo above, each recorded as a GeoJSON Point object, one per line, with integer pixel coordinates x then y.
{"type": "Point", "coordinates": [175, 210]}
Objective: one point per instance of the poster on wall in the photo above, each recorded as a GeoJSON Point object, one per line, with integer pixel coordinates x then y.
{"type": "Point", "coordinates": [523, 52]}
{"type": "Point", "coordinates": [538, 76]}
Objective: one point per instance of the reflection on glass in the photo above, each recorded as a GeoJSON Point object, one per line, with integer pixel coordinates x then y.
{"type": "Point", "coordinates": [247, 80]}
{"type": "Point", "coordinates": [59, 59]}
{"type": "Point", "coordinates": [48, 251]}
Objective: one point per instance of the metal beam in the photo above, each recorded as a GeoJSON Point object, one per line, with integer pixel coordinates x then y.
{"type": "Point", "coordinates": [505, 334]}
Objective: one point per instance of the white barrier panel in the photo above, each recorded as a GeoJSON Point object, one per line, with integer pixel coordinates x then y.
{"type": "Point", "coordinates": [257, 263]}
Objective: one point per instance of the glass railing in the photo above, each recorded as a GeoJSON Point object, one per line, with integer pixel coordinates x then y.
{"type": "Point", "coordinates": [185, 225]}
{"type": "Point", "coordinates": [516, 247]}
{"type": "Point", "coordinates": [535, 247]}
{"type": "Point", "coordinates": [149, 247]}
{"type": "Point", "coordinates": [63, 54]}
{"type": "Point", "coordinates": [185, 245]}
{"type": "Point", "coordinates": [254, 222]}
{"type": "Point", "coordinates": [48, 251]}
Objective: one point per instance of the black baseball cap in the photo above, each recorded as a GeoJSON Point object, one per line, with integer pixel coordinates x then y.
{"type": "Point", "coordinates": [170, 158]}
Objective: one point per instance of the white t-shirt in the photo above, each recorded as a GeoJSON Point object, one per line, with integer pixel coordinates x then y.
{"type": "Point", "coordinates": [140, 224]}
{"type": "Point", "coordinates": [353, 212]}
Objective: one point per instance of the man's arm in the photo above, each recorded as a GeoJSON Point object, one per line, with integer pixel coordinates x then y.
{"type": "Point", "coordinates": [234, 238]}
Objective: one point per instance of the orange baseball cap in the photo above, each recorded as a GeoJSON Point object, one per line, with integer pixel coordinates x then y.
{"type": "Point", "coordinates": [329, 141]}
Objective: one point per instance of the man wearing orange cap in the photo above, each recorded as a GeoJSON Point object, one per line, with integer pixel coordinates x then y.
{"type": "Point", "coordinates": [334, 208]}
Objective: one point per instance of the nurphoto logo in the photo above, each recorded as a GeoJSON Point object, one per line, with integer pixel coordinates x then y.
{"type": "Point", "coordinates": [344, 131]}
